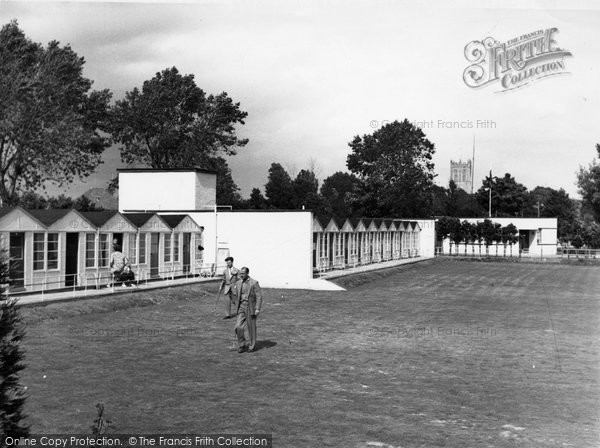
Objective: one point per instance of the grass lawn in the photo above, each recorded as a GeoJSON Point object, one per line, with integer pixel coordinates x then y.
{"type": "Point", "coordinates": [443, 353]}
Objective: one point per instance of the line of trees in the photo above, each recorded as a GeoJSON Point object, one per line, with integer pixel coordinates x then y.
{"type": "Point", "coordinates": [54, 128]}
{"type": "Point", "coordinates": [483, 232]}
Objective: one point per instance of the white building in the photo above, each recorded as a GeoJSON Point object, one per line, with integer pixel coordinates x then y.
{"type": "Point", "coordinates": [275, 245]}
{"type": "Point", "coordinates": [537, 238]}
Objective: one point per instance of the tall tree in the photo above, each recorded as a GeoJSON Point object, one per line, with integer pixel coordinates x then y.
{"type": "Point", "coordinates": [588, 181]}
{"type": "Point", "coordinates": [337, 191]}
{"type": "Point", "coordinates": [556, 204]}
{"type": "Point", "coordinates": [172, 123]}
{"type": "Point", "coordinates": [227, 189]}
{"type": "Point", "coordinates": [12, 393]}
{"type": "Point", "coordinates": [257, 201]}
{"type": "Point", "coordinates": [50, 120]}
{"type": "Point", "coordinates": [396, 169]}
{"type": "Point", "coordinates": [306, 189]}
{"type": "Point", "coordinates": [279, 188]}
{"type": "Point", "coordinates": [508, 196]}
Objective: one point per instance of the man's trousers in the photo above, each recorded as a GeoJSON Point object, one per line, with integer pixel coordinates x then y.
{"type": "Point", "coordinates": [245, 328]}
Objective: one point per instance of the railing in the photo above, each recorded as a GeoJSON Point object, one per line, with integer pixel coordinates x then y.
{"type": "Point", "coordinates": [98, 280]}
{"type": "Point", "coordinates": [338, 262]}
{"type": "Point", "coordinates": [578, 253]}
{"type": "Point", "coordinates": [476, 251]}
{"type": "Point", "coordinates": [323, 264]}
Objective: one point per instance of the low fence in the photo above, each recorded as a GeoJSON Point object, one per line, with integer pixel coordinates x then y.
{"type": "Point", "coordinates": [476, 251]}
{"type": "Point", "coordinates": [97, 280]}
{"type": "Point", "coordinates": [325, 264]}
{"type": "Point", "coordinates": [578, 253]}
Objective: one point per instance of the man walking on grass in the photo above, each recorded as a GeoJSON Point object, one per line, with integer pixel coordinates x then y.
{"type": "Point", "coordinates": [249, 302]}
{"type": "Point", "coordinates": [229, 278]}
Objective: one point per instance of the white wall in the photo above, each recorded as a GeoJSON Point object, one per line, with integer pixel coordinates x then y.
{"type": "Point", "coordinates": [163, 190]}
{"type": "Point", "coordinates": [427, 238]}
{"type": "Point", "coordinates": [543, 237]}
{"type": "Point", "coordinates": [275, 246]}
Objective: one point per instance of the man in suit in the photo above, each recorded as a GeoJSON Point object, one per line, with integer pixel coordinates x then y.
{"type": "Point", "coordinates": [230, 276]}
{"type": "Point", "coordinates": [249, 302]}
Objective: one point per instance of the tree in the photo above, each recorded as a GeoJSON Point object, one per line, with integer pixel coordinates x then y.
{"type": "Point", "coordinates": [396, 169]}
{"type": "Point", "coordinates": [31, 200]}
{"type": "Point", "coordinates": [469, 234]}
{"type": "Point", "coordinates": [588, 182]}
{"type": "Point", "coordinates": [305, 189]}
{"type": "Point", "coordinates": [85, 204]}
{"type": "Point", "coordinates": [509, 235]}
{"type": "Point", "coordinates": [591, 236]}
{"type": "Point", "coordinates": [171, 123]}
{"type": "Point", "coordinates": [497, 238]}
{"type": "Point", "coordinates": [279, 189]}
{"type": "Point", "coordinates": [488, 234]}
{"type": "Point", "coordinates": [337, 191]}
{"type": "Point", "coordinates": [51, 122]}
{"type": "Point", "coordinates": [508, 196]}
{"type": "Point", "coordinates": [479, 234]}
{"type": "Point", "coordinates": [257, 201]}
{"type": "Point", "coordinates": [12, 394]}
{"type": "Point", "coordinates": [449, 227]}
{"type": "Point", "coordinates": [556, 203]}
{"type": "Point", "coordinates": [456, 233]}
{"type": "Point", "coordinates": [60, 201]}
{"type": "Point", "coordinates": [439, 201]}
{"type": "Point", "coordinates": [227, 190]}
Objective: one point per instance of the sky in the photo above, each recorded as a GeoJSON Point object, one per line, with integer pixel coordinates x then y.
{"type": "Point", "coordinates": [314, 74]}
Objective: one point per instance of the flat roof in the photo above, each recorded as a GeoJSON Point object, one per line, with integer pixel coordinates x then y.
{"type": "Point", "coordinates": [170, 170]}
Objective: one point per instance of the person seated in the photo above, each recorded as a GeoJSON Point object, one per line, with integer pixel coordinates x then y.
{"type": "Point", "coordinates": [127, 276]}
{"type": "Point", "coordinates": [118, 261]}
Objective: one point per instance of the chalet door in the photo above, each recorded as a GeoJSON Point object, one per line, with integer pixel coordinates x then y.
{"type": "Point", "coordinates": [71, 259]}
{"type": "Point", "coordinates": [154, 245]}
{"type": "Point", "coordinates": [17, 259]}
{"type": "Point", "coordinates": [187, 238]}
{"type": "Point", "coordinates": [314, 252]}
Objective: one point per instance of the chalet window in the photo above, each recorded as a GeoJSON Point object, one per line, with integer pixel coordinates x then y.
{"type": "Point", "coordinates": [167, 247]}
{"type": "Point", "coordinates": [132, 248]}
{"type": "Point", "coordinates": [90, 250]}
{"type": "Point", "coordinates": [103, 250]}
{"type": "Point", "coordinates": [142, 248]}
{"type": "Point", "coordinates": [38, 251]}
{"type": "Point", "coordinates": [176, 246]}
{"type": "Point", "coordinates": [52, 252]}
{"type": "Point", "coordinates": [45, 251]}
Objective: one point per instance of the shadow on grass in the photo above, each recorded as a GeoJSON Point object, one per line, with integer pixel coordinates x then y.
{"type": "Point", "coordinates": [264, 344]}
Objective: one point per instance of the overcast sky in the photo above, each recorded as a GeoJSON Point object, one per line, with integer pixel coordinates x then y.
{"type": "Point", "coordinates": [314, 74]}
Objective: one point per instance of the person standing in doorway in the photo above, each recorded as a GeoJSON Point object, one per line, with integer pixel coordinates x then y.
{"type": "Point", "coordinates": [230, 277]}
{"type": "Point", "coordinates": [249, 303]}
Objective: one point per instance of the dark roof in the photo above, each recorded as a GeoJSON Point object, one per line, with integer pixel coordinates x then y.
{"type": "Point", "coordinates": [174, 170]}
{"type": "Point", "coordinates": [138, 219]}
{"type": "Point", "coordinates": [355, 221]}
{"type": "Point", "coordinates": [339, 222]}
{"type": "Point", "coordinates": [319, 221]}
{"type": "Point", "coordinates": [173, 220]}
{"type": "Point", "coordinates": [367, 222]}
{"type": "Point", "coordinates": [388, 222]}
{"type": "Point", "coordinates": [6, 211]}
{"type": "Point", "coordinates": [99, 218]}
{"type": "Point", "coordinates": [48, 217]}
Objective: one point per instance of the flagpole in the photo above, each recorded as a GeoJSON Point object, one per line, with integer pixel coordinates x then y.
{"type": "Point", "coordinates": [490, 199]}
{"type": "Point", "coordinates": [473, 167]}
